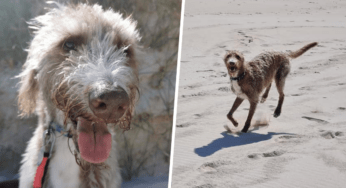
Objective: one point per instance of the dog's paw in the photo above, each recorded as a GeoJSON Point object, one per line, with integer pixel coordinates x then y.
{"type": "Point", "coordinates": [245, 129]}
{"type": "Point", "coordinates": [263, 100]}
{"type": "Point", "coordinates": [277, 114]}
{"type": "Point", "coordinates": [235, 123]}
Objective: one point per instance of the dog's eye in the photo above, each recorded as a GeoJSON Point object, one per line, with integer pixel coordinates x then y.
{"type": "Point", "coordinates": [237, 56]}
{"type": "Point", "coordinates": [68, 45]}
{"type": "Point", "coordinates": [127, 52]}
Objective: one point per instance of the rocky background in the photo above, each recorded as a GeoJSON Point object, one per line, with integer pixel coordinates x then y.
{"type": "Point", "coordinates": [145, 150]}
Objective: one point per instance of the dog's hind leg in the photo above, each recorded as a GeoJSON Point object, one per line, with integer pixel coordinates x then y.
{"type": "Point", "coordinates": [236, 104]}
{"type": "Point", "coordinates": [280, 79]}
{"type": "Point", "coordinates": [253, 106]}
{"type": "Point", "coordinates": [277, 111]}
{"type": "Point", "coordinates": [265, 95]}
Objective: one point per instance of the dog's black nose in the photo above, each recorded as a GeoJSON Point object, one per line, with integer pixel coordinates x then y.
{"type": "Point", "coordinates": [231, 63]}
{"type": "Point", "coordinates": [109, 105]}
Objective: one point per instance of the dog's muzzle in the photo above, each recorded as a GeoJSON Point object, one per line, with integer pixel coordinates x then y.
{"type": "Point", "coordinates": [109, 105]}
{"type": "Point", "coordinates": [232, 63]}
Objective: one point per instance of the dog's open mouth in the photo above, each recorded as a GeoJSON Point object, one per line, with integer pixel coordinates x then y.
{"type": "Point", "coordinates": [94, 141]}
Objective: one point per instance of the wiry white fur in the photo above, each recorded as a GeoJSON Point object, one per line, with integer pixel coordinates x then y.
{"type": "Point", "coordinates": [28, 169]}
{"type": "Point", "coordinates": [232, 60]}
{"type": "Point", "coordinates": [63, 173]}
{"type": "Point", "coordinates": [237, 90]}
{"type": "Point", "coordinates": [101, 62]}
{"type": "Point", "coordinates": [93, 64]}
{"type": "Point", "coordinates": [64, 21]}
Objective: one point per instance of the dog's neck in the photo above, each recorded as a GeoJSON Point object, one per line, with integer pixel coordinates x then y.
{"type": "Point", "coordinates": [239, 77]}
{"type": "Point", "coordinates": [60, 129]}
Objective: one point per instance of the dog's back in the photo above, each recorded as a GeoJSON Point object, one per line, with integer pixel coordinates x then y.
{"type": "Point", "coordinates": [265, 65]}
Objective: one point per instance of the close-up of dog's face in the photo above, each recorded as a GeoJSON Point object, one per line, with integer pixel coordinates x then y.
{"type": "Point", "coordinates": [233, 61]}
{"type": "Point", "coordinates": [81, 72]}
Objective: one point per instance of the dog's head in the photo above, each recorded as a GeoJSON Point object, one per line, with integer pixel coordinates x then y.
{"type": "Point", "coordinates": [234, 61]}
{"type": "Point", "coordinates": [81, 72]}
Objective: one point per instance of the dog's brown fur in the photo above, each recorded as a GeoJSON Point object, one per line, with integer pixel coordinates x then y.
{"type": "Point", "coordinates": [257, 75]}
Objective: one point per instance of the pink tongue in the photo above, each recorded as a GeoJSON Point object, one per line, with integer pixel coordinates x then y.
{"type": "Point", "coordinates": [95, 142]}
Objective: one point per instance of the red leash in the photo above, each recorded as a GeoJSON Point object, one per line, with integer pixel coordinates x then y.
{"type": "Point", "coordinates": [42, 168]}
{"type": "Point", "coordinates": [41, 172]}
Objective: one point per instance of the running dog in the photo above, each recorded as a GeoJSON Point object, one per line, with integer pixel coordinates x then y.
{"type": "Point", "coordinates": [249, 79]}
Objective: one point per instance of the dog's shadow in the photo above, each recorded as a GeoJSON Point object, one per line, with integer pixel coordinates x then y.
{"type": "Point", "coordinates": [230, 140]}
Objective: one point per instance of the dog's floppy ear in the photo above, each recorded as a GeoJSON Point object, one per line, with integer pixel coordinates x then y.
{"type": "Point", "coordinates": [226, 55]}
{"type": "Point", "coordinates": [242, 55]}
{"type": "Point", "coordinates": [28, 92]}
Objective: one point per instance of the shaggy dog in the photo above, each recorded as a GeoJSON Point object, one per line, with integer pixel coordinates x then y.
{"type": "Point", "coordinates": [80, 78]}
{"type": "Point", "coordinates": [249, 79]}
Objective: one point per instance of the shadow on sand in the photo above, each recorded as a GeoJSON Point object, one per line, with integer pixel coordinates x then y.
{"type": "Point", "coordinates": [231, 140]}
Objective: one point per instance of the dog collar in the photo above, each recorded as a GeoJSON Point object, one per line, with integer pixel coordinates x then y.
{"type": "Point", "coordinates": [238, 78]}
{"type": "Point", "coordinates": [57, 127]}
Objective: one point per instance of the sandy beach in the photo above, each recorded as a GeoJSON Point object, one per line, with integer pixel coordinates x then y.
{"type": "Point", "coordinates": [306, 145]}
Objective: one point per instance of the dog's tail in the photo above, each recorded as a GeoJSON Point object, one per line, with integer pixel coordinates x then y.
{"type": "Point", "coordinates": [300, 52]}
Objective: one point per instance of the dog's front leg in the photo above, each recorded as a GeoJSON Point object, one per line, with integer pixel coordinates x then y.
{"type": "Point", "coordinates": [265, 95]}
{"type": "Point", "coordinates": [236, 104]}
{"type": "Point", "coordinates": [253, 106]}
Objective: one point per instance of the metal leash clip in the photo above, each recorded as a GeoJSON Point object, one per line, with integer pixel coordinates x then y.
{"type": "Point", "coordinates": [48, 144]}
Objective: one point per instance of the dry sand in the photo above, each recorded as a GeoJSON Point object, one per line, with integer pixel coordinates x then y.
{"type": "Point", "coordinates": [306, 145]}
